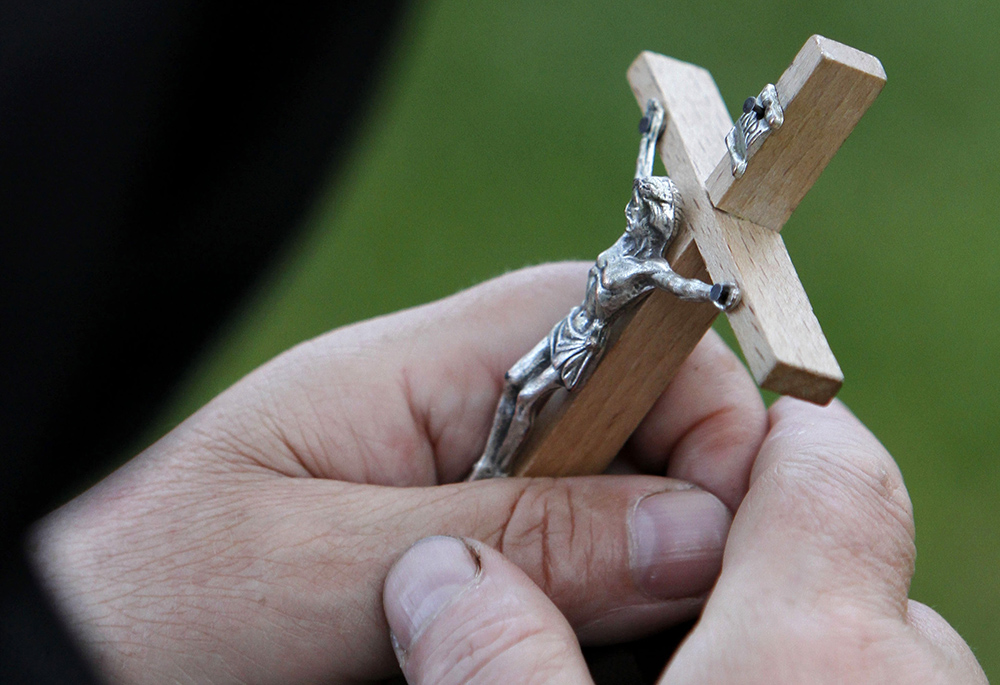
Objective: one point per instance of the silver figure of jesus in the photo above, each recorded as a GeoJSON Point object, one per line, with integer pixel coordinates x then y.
{"type": "Point", "coordinates": [623, 273]}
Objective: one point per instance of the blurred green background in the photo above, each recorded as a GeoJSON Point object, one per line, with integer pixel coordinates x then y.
{"type": "Point", "coordinates": [504, 134]}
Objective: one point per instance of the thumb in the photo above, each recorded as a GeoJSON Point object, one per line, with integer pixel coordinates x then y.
{"type": "Point", "coordinates": [461, 613]}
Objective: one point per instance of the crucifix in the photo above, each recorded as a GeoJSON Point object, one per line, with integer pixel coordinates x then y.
{"type": "Point", "coordinates": [571, 403]}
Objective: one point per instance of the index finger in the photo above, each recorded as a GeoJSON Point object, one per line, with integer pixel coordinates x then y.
{"type": "Point", "coordinates": [827, 517]}
{"type": "Point", "coordinates": [407, 399]}
{"type": "Point", "coordinates": [707, 426]}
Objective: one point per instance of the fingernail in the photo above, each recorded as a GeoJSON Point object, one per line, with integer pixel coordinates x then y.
{"type": "Point", "coordinates": [677, 538]}
{"type": "Point", "coordinates": [422, 583]}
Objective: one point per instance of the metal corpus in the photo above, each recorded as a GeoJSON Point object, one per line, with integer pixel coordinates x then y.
{"type": "Point", "coordinates": [622, 275]}
{"type": "Point", "coordinates": [761, 115]}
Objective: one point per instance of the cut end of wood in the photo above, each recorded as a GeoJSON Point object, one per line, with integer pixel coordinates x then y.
{"type": "Point", "coordinates": [848, 56]}
{"type": "Point", "coordinates": [696, 120]}
{"type": "Point", "coordinates": [805, 384]}
{"type": "Point", "coordinates": [648, 63]}
{"type": "Point", "coordinates": [824, 94]}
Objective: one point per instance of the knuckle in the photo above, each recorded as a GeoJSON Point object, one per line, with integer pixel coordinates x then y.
{"type": "Point", "coordinates": [857, 499]}
{"type": "Point", "coordinates": [874, 482]}
{"type": "Point", "coordinates": [548, 534]}
{"type": "Point", "coordinates": [477, 644]}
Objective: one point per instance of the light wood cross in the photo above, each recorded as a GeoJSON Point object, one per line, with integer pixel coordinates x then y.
{"type": "Point", "coordinates": [730, 233]}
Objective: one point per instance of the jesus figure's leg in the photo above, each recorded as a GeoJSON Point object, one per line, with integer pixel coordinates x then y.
{"type": "Point", "coordinates": [528, 367]}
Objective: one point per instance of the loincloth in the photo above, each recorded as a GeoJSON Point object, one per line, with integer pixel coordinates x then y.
{"type": "Point", "coordinates": [575, 349]}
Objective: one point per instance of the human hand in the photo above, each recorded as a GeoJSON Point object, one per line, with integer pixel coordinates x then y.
{"type": "Point", "coordinates": [251, 543]}
{"type": "Point", "coordinates": [813, 586]}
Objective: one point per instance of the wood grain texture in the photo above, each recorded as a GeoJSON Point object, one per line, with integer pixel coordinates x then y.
{"type": "Point", "coordinates": [824, 94]}
{"type": "Point", "coordinates": [696, 122]}
{"type": "Point", "coordinates": [580, 433]}
{"type": "Point", "coordinates": [781, 338]}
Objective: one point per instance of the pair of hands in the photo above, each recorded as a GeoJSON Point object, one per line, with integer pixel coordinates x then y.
{"type": "Point", "coordinates": [273, 536]}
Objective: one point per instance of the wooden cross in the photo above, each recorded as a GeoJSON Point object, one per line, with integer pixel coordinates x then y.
{"type": "Point", "coordinates": [730, 233]}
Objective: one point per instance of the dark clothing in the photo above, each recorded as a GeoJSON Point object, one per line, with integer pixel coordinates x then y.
{"type": "Point", "coordinates": [155, 156]}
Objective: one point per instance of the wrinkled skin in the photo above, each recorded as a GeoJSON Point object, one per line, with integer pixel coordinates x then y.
{"type": "Point", "coordinates": [251, 544]}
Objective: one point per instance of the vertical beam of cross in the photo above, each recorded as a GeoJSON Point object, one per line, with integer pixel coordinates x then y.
{"type": "Point", "coordinates": [824, 93]}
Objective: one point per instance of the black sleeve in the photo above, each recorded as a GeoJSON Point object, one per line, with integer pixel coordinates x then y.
{"type": "Point", "coordinates": [34, 645]}
{"type": "Point", "coordinates": [155, 157]}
